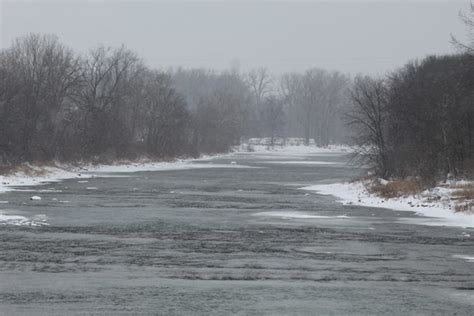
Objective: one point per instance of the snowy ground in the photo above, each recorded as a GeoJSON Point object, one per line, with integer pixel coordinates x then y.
{"type": "Point", "coordinates": [440, 212]}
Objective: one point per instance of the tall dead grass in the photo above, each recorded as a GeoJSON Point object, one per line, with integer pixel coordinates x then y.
{"type": "Point", "coordinates": [397, 188]}
{"type": "Point", "coordinates": [464, 197]}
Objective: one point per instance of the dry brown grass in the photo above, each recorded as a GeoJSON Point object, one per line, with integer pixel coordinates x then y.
{"type": "Point", "coordinates": [36, 170]}
{"type": "Point", "coordinates": [464, 197]}
{"type": "Point", "coordinates": [397, 188]}
{"type": "Point", "coordinates": [462, 194]}
{"type": "Point", "coordinates": [465, 207]}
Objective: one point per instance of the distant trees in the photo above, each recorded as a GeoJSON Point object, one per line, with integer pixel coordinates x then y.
{"type": "Point", "coordinates": [273, 118]}
{"type": "Point", "coordinates": [420, 120]}
{"type": "Point", "coordinates": [219, 104]}
{"type": "Point", "coordinates": [260, 84]}
{"type": "Point", "coordinates": [257, 104]}
{"type": "Point", "coordinates": [315, 102]}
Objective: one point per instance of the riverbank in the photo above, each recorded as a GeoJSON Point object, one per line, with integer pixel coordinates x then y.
{"type": "Point", "coordinates": [30, 175]}
{"type": "Point", "coordinates": [440, 202]}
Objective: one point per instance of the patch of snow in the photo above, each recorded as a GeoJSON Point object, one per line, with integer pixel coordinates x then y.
{"type": "Point", "coordinates": [464, 257]}
{"type": "Point", "coordinates": [298, 215]}
{"type": "Point", "coordinates": [304, 162]}
{"type": "Point", "coordinates": [161, 166]}
{"type": "Point", "coordinates": [441, 210]}
{"type": "Point", "coordinates": [18, 220]}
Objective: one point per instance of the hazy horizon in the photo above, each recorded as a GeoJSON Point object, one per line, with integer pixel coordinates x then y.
{"type": "Point", "coordinates": [349, 36]}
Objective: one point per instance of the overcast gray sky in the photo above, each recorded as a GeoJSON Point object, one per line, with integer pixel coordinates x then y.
{"type": "Point", "coordinates": [351, 36]}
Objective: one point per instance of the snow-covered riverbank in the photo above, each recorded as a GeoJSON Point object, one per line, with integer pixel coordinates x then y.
{"type": "Point", "coordinates": [41, 175]}
{"type": "Point", "coordinates": [441, 210]}
{"type": "Point", "coordinates": [38, 175]}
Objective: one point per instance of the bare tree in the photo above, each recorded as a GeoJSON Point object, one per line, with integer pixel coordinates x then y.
{"type": "Point", "coordinates": [368, 118]}
{"type": "Point", "coordinates": [273, 118]}
{"type": "Point", "coordinates": [333, 103]}
{"type": "Point", "coordinates": [313, 101]}
{"type": "Point", "coordinates": [289, 89]}
{"type": "Point", "coordinates": [106, 84]}
{"type": "Point", "coordinates": [42, 73]}
{"type": "Point", "coordinates": [165, 116]}
{"type": "Point", "coordinates": [468, 20]}
{"type": "Point", "coordinates": [260, 84]}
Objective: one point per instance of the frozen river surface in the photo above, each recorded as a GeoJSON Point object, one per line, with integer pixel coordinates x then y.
{"type": "Point", "coordinates": [226, 241]}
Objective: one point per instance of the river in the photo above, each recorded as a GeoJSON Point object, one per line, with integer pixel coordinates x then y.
{"type": "Point", "coordinates": [240, 238]}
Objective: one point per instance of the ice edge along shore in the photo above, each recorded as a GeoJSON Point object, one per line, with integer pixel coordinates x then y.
{"type": "Point", "coordinates": [435, 213]}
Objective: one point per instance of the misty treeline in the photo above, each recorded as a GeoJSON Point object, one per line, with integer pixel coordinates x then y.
{"type": "Point", "coordinates": [107, 104]}
{"type": "Point", "coordinates": [237, 106]}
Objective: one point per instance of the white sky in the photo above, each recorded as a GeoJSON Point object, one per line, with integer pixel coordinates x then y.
{"type": "Point", "coordinates": [351, 36]}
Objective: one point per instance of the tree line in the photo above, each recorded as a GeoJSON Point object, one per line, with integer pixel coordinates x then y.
{"type": "Point", "coordinates": [309, 105]}
{"type": "Point", "coordinates": [108, 104]}
{"type": "Point", "coordinates": [57, 105]}
{"type": "Point", "coordinates": [419, 120]}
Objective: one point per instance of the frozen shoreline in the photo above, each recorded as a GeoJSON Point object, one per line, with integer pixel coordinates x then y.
{"type": "Point", "coordinates": [63, 172]}
{"type": "Point", "coordinates": [439, 213]}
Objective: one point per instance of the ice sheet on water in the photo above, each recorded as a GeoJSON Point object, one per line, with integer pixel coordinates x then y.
{"type": "Point", "coordinates": [293, 162]}
{"type": "Point", "coordinates": [18, 220]}
{"type": "Point", "coordinates": [465, 257]}
{"type": "Point", "coordinates": [299, 215]}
